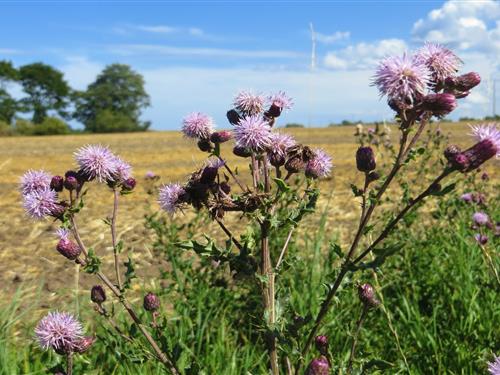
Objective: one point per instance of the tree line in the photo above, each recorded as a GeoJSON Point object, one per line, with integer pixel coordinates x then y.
{"type": "Point", "coordinates": [112, 103]}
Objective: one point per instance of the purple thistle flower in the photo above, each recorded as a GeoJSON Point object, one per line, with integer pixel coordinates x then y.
{"type": "Point", "coordinates": [318, 366]}
{"type": "Point", "coordinates": [320, 165]}
{"type": "Point", "coordinates": [34, 181]}
{"type": "Point", "coordinates": [441, 61]}
{"type": "Point", "coordinates": [66, 246]}
{"type": "Point", "coordinates": [150, 175]}
{"type": "Point", "coordinates": [481, 239]}
{"type": "Point", "coordinates": [281, 100]}
{"type": "Point", "coordinates": [254, 133]}
{"type": "Point", "coordinates": [40, 203]}
{"type": "Point", "coordinates": [494, 366]}
{"type": "Point", "coordinates": [123, 170]}
{"type": "Point", "coordinates": [480, 218]}
{"type": "Point", "coordinates": [170, 197]}
{"type": "Point", "coordinates": [249, 103]}
{"type": "Point", "coordinates": [96, 161]}
{"type": "Point", "coordinates": [197, 125]}
{"type": "Point", "coordinates": [467, 197]}
{"type": "Point", "coordinates": [280, 143]}
{"type": "Point", "coordinates": [215, 162]}
{"type": "Point", "coordinates": [401, 79]}
{"type": "Point", "coordinates": [487, 132]}
{"type": "Point", "coordinates": [60, 331]}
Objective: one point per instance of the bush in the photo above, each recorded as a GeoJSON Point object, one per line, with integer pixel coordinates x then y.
{"type": "Point", "coordinates": [6, 129]}
{"type": "Point", "coordinates": [107, 121]}
{"type": "Point", "coordinates": [294, 125]}
{"type": "Point", "coordinates": [51, 126]}
{"type": "Point", "coordinates": [24, 127]}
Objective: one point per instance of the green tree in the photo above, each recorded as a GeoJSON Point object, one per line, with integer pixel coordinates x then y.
{"type": "Point", "coordinates": [46, 89]}
{"type": "Point", "coordinates": [114, 102]}
{"type": "Point", "coordinates": [8, 105]}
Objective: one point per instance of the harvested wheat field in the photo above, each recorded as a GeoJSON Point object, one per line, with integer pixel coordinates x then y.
{"type": "Point", "coordinates": [168, 155]}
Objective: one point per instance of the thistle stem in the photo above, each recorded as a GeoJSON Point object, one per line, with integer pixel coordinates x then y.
{"type": "Point", "coordinates": [69, 364]}
{"type": "Point", "coordinates": [113, 238]}
{"type": "Point", "coordinates": [359, 324]}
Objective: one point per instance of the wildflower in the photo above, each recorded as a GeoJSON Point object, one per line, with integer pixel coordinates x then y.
{"type": "Point", "coordinates": [401, 79]}
{"type": "Point", "coordinates": [321, 343]}
{"type": "Point", "coordinates": [441, 61]}
{"type": "Point", "coordinates": [41, 203]}
{"type": "Point", "coordinates": [123, 170]}
{"type": "Point", "coordinates": [481, 239]}
{"type": "Point", "coordinates": [488, 133]}
{"type": "Point", "coordinates": [480, 218]}
{"type": "Point", "coordinates": [318, 366]}
{"type": "Point", "coordinates": [59, 331]}
{"type": "Point", "coordinates": [367, 295]}
{"type": "Point", "coordinates": [34, 181]}
{"type": "Point", "coordinates": [97, 294]}
{"type": "Point", "coordinates": [278, 102]}
{"type": "Point", "coordinates": [221, 137]}
{"type": "Point", "coordinates": [248, 103]}
{"type": "Point", "coordinates": [151, 302]}
{"type": "Point", "coordinates": [65, 246]}
{"type": "Point", "coordinates": [171, 197]}
{"type": "Point", "coordinates": [320, 165]}
{"type": "Point", "coordinates": [467, 197]}
{"type": "Point", "coordinates": [150, 175]}
{"type": "Point", "coordinates": [57, 183]}
{"type": "Point", "coordinates": [254, 133]}
{"type": "Point", "coordinates": [464, 83]}
{"type": "Point", "coordinates": [197, 125]}
{"type": "Point", "coordinates": [439, 104]}
{"type": "Point", "coordinates": [365, 159]}
{"type": "Point", "coordinates": [96, 162]}
{"type": "Point", "coordinates": [279, 146]}
{"type": "Point", "coordinates": [494, 366]}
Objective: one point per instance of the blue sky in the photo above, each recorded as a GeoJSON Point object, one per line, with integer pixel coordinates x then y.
{"type": "Point", "coordinates": [197, 55]}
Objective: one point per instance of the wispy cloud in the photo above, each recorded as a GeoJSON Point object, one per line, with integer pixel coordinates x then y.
{"type": "Point", "coordinates": [158, 29]}
{"type": "Point", "coordinates": [140, 49]}
{"type": "Point", "coordinates": [332, 38]}
{"type": "Point", "coordinates": [10, 51]}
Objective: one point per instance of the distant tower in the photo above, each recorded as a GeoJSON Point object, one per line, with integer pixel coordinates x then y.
{"type": "Point", "coordinates": [313, 68]}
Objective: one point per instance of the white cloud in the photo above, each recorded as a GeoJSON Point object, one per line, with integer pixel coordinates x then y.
{"type": "Point", "coordinates": [10, 51]}
{"type": "Point", "coordinates": [332, 38]}
{"type": "Point", "coordinates": [80, 71]}
{"type": "Point", "coordinates": [363, 55]}
{"type": "Point", "coordinates": [158, 29]}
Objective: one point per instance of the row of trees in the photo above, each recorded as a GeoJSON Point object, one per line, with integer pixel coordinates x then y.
{"type": "Point", "coordinates": [112, 103]}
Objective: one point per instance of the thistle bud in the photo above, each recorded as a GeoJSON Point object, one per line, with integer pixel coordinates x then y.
{"type": "Point", "coordinates": [243, 152]}
{"type": "Point", "coordinates": [373, 176]}
{"type": "Point", "coordinates": [365, 159]}
{"type": "Point", "coordinates": [481, 239]}
{"type": "Point", "coordinates": [464, 82]}
{"type": "Point", "coordinates": [57, 183]}
{"type": "Point", "coordinates": [318, 366]}
{"type": "Point", "coordinates": [460, 162]}
{"type": "Point", "coordinates": [84, 344]}
{"type": "Point", "coordinates": [276, 159]}
{"type": "Point", "coordinates": [233, 117]}
{"type": "Point", "coordinates": [479, 153]}
{"type": "Point", "coordinates": [224, 186]}
{"type": "Point", "coordinates": [321, 343]}
{"type": "Point", "coordinates": [97, 294]}
{"type": "Point", "coordinates": [71, 183]}
{"type": "Point", "coordinates": [273, 111]}
{"type": "Point", "coordinates": [221, 137]}
{"type": "Point", "coordinates": [151, 302]}
{"type": "Point", "coordinates": [208, 175]}
{"type": "Point", "coordinates": [451, 151]}
{"type": "Point", "coordinates": [367, 295]}
{"type": "Point", "coordinates": [204, 145]}
{"type": "Point", "coordinates": [439, 104]}
{"type": "Point", "coordinates": [68, 248]}
{"type": "Point", "coordinates": [129, 184]}
{"type": "Point", "coordinates": [294, 164]}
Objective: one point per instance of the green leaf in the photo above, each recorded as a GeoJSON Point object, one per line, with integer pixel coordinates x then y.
{"type": "Point", "coordinates": [129, 273]}
{"type": "Point", "coordinates": [356, 191]}
{"type": "Point", "coordinates": [119, 247]}
{"type": "Point", "coordinates": [447, 189]}
{"type": "Point", "coordinates": [93, 262]}
{"type": "Point", "coordinates": [335, 247]}
{"type": "Point", "coordinates": [282, 185]}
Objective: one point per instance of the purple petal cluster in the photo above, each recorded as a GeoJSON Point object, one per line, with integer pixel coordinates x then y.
{"type": "Point", "coordinates": [249, 103]}
{"type": "Point", "coordinates": [123, 170]}
{"type": "Point", "coordinates": [280, 143]}
{"type": "Point", "coordinates": [40, 203]}
{"type": "Point", "coordinates": [170, 197]}
{"type": "Point", "coordinates": [320, 165]}
{"type": "Point", "coordinates": [60, 331]}
{"type": "Point", "coordinates": [96, 162]}
{"type": "Point", "coordinates": [480, 218]}
{"type": "Point", "coordinates": [35, 181]}
{"type": "Point", "coordinates": [197, 125]}
{"type": "Point", "coordinates": [402, 78]}
{"type": "Point", "coordinates": [281, 100]}
{"type": "Point", "coordinates": [494, 366]}
{"type": "Point", "coordinates": [441, 61]}
{"type": "Point", "coordinates": [254, 133]}
{"type": "Point", "coordinates": [487, 132]}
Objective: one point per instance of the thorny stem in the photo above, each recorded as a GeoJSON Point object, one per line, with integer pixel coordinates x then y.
{"type": "Point", "coordinates": [113, 238]}
{"type": "Point", "coordinates": [359, 324]}
{"type": "Point", "coordinates": [102, 311]}
{"type": "Point", "coordinates": [254, 171]}
{"type": "Point", "coordinates": [229, 170]}
{"type": "Point", "coordinates": [69, 363]}
{"type": "Point", "coordinates": [162, 357]}
{"type": "Point", "coordinates": [229, 234]}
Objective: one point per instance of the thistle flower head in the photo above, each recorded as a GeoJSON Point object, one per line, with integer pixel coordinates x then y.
{"type": "Point", "coordinates": [60, 331]}
{"type": "Point", "coordinates": [253, 132]}
{"type": "Point", "coordinates": [280, 143]}
{"type": "Point", "coordinates": [401, 78]}
{"type": "Point", "coordinates": [34, 181]}
{"type": "Point", "coordinates": [441, 61]}
{"type": "Point", "coordinates": [62, 233]}
{"type": "Point", "coordinates": [40, 203]}
{"type": "Point", "coordinates": [123, 170]}
{"type": "Point", "coordinates": [249, 103]}
{"type": "Point", "coordinates": [494, 366]}
{"type": "Point", "coordinates": [480, 218]}
{"type": "Point", "coordinates": [487, 132]}
{"type": "Point", "coordinates": [318, 366]}
{"type": "Point", "coordinates": [170, 197]}
{"type": "Point", "coordinates": [197, 125]}
{"type": "Point", "coordinates": [151, 302]}
{"type": "Point", "coordinates": [280, 100]}
{"type": "Point", "coordinates": [320, 165]}
{"type": "Point", "coordinates": [96, 161]}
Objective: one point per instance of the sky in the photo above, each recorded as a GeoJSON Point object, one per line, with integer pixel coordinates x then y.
{"type": "Point", "coordinates": [196, 55]}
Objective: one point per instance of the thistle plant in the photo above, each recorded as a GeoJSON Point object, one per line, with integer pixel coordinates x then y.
{"type": "Point", "coordinates": [260, 208]}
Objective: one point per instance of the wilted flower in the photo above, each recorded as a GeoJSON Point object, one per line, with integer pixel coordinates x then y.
{"type": "Point", "coordinates": [494, 366]}
{"type": "Point", "coordinates": [34, 181]}
{"type": "Point", "coordinates": [170, 197]}
{"type": "Point", "coordinates": [59, 331]}
{"type": "Point", "coordinates": [318, 366]}
{"type": "Point", "coordinates": [151, 302]}
{"type": "Point", "coordinates": [401, 78]}
{"type": "Point", "coordinates": [248, 103]}
{"type": "Point", "coordinates": [462, 84]}
{"type": "Point", "coordinates": [439, 104]}
{"type": "Point", "coordinates": [480, 218]}
{"type": "Point", "coordinates": [96, 161]}
{"type": "Point", "coordinates": [254, 133]}
{"type": "Point", "coordinates": [320, 165]}
{"type": "Point", "coordinates": [197, 125]}
{"type": "Point", "coordinates": [441, 61]}
{"type": "Point", "coordinates": [41, 203]}
{"type": "Point", "coordinates": [66, 246]}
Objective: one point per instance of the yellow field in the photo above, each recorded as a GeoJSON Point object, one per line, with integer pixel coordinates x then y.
{"type": "Point", "coordinates": [28, 248]}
